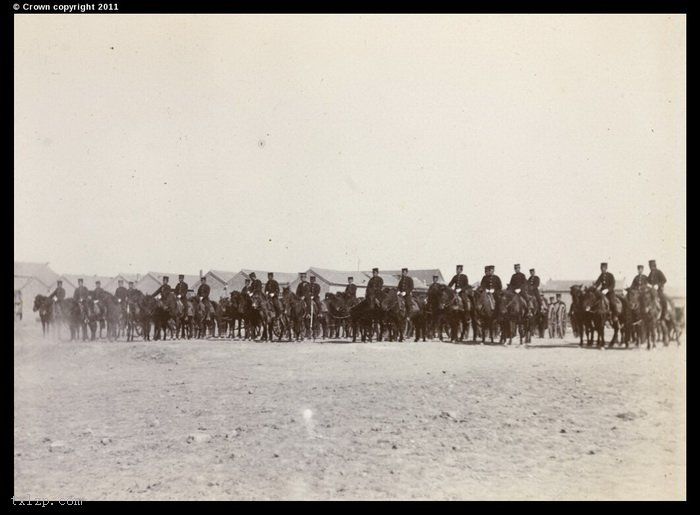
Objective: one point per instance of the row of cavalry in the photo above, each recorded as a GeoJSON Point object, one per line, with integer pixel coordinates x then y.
{"type": "Point", "coordinates": [382, 315]}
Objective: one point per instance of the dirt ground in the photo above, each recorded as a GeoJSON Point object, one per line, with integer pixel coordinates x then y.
{"type": "Point", "coordinates": [335, 420]}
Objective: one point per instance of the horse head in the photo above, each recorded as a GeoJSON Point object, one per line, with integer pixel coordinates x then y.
{"type": "Point", "coordinates": [389, 300]}
{"type": "Point", "coordinates": [39, 301]}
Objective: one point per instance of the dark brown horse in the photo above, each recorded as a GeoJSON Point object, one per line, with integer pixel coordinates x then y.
{"type": "Point", "coordinates": [486, 312]}
{"type": "Point", "coordinates": [597, 305]}
{"type": "Point", "coordinates": [294, 312]}
{"type": "Point", "coordinates": [513, 315]}
{"type": "Point", "coordinates": [581, 320]}
{"type": "Point", "coordinates": [43, 305]}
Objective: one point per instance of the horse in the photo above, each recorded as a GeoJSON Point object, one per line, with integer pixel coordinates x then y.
{"type": "Point", "coordinates": [93, 311]}
{"type": "Point", "coordinates": [339, 306]}
{"type": "Point", "coordinates": [540, 319]}
{"type": "Point", "coordinates": [133, 316]}
{"type": "Point", "coordinates": [395, 315]}
{"type": "Point", "coordinates": [222, 314]}
{"type": "Point", "coordinates": [294, 313]}
{"type": "Point", "coordinates": [262, 315]}
{"type": "Point", "coordinates": [651, 316]}
{"type": "Point", "coordinates": [581, 320]}
{"type": "Point", "coordinates": [147, 308]}
{"type": "Point", "coordinates": [486, 311]}
{"type": "Point", "coordinates": [185, 322]}
{"type": "Point", "coordinates": [72, 316]}
{"type": "Point", "coordinates": [238, 312]}
{"type": "Point", "coordinates": [597, 305]}
{"type": "Point", "coordinates": [165, 316]}
{"type": "Point", "coordinates": [42, 304]}
{"type": "Point", "coordinates": [448, 306]}
{"type": "Point", "coordinates": [366, 317]}
{"type": "Point", "coordinates": [112, 315]}
{"type": "Point", "coordinates": [513, 316]}
{"type": "Point", "coordinates": [634, 322]}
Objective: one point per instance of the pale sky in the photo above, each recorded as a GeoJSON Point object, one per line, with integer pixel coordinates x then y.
{"type": "Point", "coordinates": [181, 143]}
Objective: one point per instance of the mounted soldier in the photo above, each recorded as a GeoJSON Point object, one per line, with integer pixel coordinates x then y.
{"type": "Point", "coordinates": [181, 289]}
{"type": "Point", "coordinates": [374, 287]}
{"type": "Point", "coordinates": [132, 294]}
{"type": "Point", "coordinates": [351, 288]}
{"type": "Point", "coordinates": [460, 283]}
{"type": "Point", "coordinates": [98, 292]}
{"type": "Point", "coordinates": [81, 292]}
{"type": "Point", "coordinates": [491, 283]}
{"type": "Point", "coordinates": [272, 290]}
{"type": "Point", "coordinates": [246, 288]}
{"type": "Point", "coordinates": [316, 295]}
{"type": "Point", "coordinates": [255, 284]}
{"type": "Point", "coordinates": [533, 287]}
{"type": "Point", "coordinates": [405, 290]}
{"type": "Point", "coordinates": [59, 293]}
{"type": "Point", "coordinates": [203, 294]}
{"type": "Point", "coordinates": [657, 280]}
{"type": "Point", "coordinates": [304, 290]}
{"type": "Point", "coordinates": [640, 280]}
{"type": "Point", "coordinates": [606, 284]}
{"type": "Point", "coordinates": [120, 292]}
{"type": "Point", "coordinates": [518, 284]}
{"type": "Point", "coordinates": [164, 290]}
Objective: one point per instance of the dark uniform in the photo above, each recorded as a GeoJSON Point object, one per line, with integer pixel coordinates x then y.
{"type": "Point", "coordinates": [461, 281]}
{"type": "Point", "coordinates": [304, 289]}
{"type": "Point", "coordinates": [517, 281]}
{"type": "Point", "coordinates": [98, 292]}
{"type": "Point", "coordinates": [81, 293]}
{"type": "Point", "coordinates": [164, 290]}
{"type": "Point", "coordinates": [181, 289]}
{"type": "Point", "coordinates": [491, 282]}
{"type": "Point", "coordinates": [657, 278]}
{"type": "Point", "coordinates": [132, 294]}
{"type": "Point", "coordinates": [533, 286]}
{"type": "Point", "coordinates": [351, 290]}
{"type": "Point", "coordinates": [272, 290]}
{"type": "Point", "coordinates": [120, 294]}
{"type": "Point", "coordinates": [59, 293]}
{"type": "Point", "coordinates": [256, 286]}
{"type": "Point", "coordinates": [316, 296]}
{"type": "Point", "coordinates": [374, 289]}
{"type": "Point", "coordinates": [245, 290]}
{"type": "Point", "coordinates": [405, 289]}
{"type": "Point", "coordinates": [606, 281]}
{"type": "Point", "coordinates": [639, 281]}
{"type": "Point", "coordinates": [203, 294]}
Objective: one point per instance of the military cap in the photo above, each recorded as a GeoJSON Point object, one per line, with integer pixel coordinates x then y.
{"type": "Point", "coordinates": [119, 281]}
{"type": "Point", "coordinates": [516, 265]}
{"type": "Point", "coordinates": [375, 270]}
{"type": "Point", "coordinates": [131, 282]}
{"type": "Point", "coordinates": [652, 262]}
{"type": "Point", "coordinates": [404, 270]}
{"type": "Point", "coordinates": [80, 280]}
{"type": "Point", "coordinates": [98, 282]}
{"type": "Point", "coordinates": [181, 276]}
{"type": "Point", "coordinates": [166, 278]}
{"type": "Point", "coordinates": [59, 282]}
{"type": "Point", "coordinates": [436, 277]}
{"type": "Point", "coordinates": [558, 295]}
{"type": "Point", "coordinates": [302, 274]}
{"type": "Point", "coordinates": [491, 267]}
{"type": "Point", "coordinates": [270, 274]}
{"type": "Point", "coordinates": [203, 278]}
{"type": "Point", "coordinates": [313, 277]}
{"type": "Point", "coordinates": [532, 270]}
{"type": "Point", "coordinates": [252, 274]}
{"type": "Point", "coordinates": [460, 266]}
{"type": "Point", "coordinates": [640, 266]}
{"type": "Point", "coordinates": [351, 278]}
{"type": "Point", "coordinates": [603, 264]}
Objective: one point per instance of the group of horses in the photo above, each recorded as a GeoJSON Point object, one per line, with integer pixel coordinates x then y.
{"type": "Point", "coordinates": [382, 315]}
{"type": "Point", "coordinates": [638, 317]}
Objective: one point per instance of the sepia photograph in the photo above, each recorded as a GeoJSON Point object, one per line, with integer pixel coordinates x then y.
{"type": "Point", "coordinates": [348, 256]}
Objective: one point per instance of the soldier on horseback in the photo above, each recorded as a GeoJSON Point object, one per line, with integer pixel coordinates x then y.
{"type": "Point", "coordinates": [640, 280]}
{"type": "Point", "coordinates": [491, 283]}
{"type": "Point", "coordinates": [606, 284]}
{"type": "Point", "coordinates": [181, 289]}
{"type": "Point", "coordinates": [255, 285]}
{"type": "Point", "coordinates": [657, 280]}
{"type": "Point", "coordinates": [351, 289]}
{"type": "Point", "coordinates": [203, 293]}
{"type": "Point", "coordinates": [316, 295]}
{"type": "Point", "coordinates": [120, 292]}
{"type": "Point", "coordinates": [518, 283]}
{"type": "Point", "coordinates": [304, 290]}
{"type": "Point", "coordinates": [374, 287]}
{"type": "Point", "coordinates": [98, 292]}
{"type": "Point", "coordinates": [246, 288]}
{"type": "Point", "coordinates": [405, 290]}
{"type": "Point", "coordinates": [132, 293]}
{"type": "Point", "coordinates": [59, 293]}
{"type": "Point", "coordinates": [81, 292]}
{"type": "Point", "coordinates": [164, 290]}
{"type": "Point", "coordinates": [533, 286]}
{"type": "Point", "coordinates": [460, 283]}
{"type": "Point", "coordinates": [272, 290]}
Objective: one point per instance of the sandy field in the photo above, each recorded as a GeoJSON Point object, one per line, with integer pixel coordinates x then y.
{"type": "Point", "coordinates": [230, 420]}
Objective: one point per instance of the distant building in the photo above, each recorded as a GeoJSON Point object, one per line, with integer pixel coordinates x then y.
{"type": "Point", "coordinates": [554, 286]}
{"type": "Point", "coordinates": [285, 279]}
{"type": "Point", "coordinates": [151, 281]}
{"type": "Point", "coordinates": [32, 279]}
